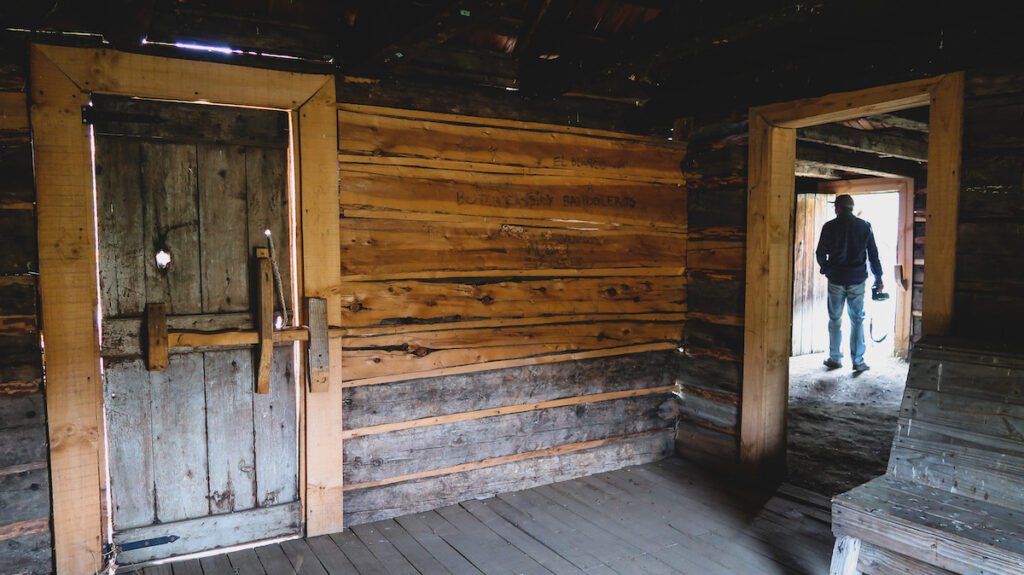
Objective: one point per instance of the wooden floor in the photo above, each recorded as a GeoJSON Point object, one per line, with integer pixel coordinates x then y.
{"type": "Point", "coordinates": [666, 517]}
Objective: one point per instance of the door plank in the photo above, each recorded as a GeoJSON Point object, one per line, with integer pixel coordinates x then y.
{"type": "Point", "coordinates": [178, 411]}
{"type": "Point", "coordinates": [266, 173]}
{"type": "Point", "coordinates": [129, 435]}
{"type": "Point", "coordinates": [222, 227]}
{"type": "Point", "coordinates": [120, 210]}
{"type": "Point", "coordinates": [274, 418]}
{"type": "Point", "coordinates": [169, 191]}
{"type": "Point", "coordinates": [229, 420]}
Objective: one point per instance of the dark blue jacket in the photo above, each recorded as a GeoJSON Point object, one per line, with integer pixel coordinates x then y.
{"type": "Point", "coordinates": [846, 244]}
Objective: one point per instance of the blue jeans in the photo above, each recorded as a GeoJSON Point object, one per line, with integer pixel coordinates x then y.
{"type": "Point", "coordinates": [853, 297]}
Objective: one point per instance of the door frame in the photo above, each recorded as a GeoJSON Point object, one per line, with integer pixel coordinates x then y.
{"type": "Point", "coordinates": [903, 285]}
{"type": "Point", "coordinates": [770, 213]}
{"type": "Point", "coordinates": [62, 81]}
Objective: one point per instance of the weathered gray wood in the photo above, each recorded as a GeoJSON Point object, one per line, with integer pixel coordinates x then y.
{"type": "Point", "coordinates": [318, 349]}
{"type": "Point", "coordinates": [274, 560]}
{"type": "Point", "coordinates": [187, 567]}
{"type": "Point", "coordinates": [22, 444]}
{"type": "Point", "coordinates": [355, 550]}
{"type": "Point", "coordinates": [385, 552]}
{"type": "Point", "coordinates": [217, 565]}
{"type": "Point", "coordinates": [452, 560]}
{"type": "Point", "coordinates": [178, 411]}
{"type": "Point", "coordinates": [127, 396]}
{"type": "Point", "coordinates": [274, 420]}
{"type": "Point", "coordinates": [224, 254]}
{"type": "Point", "coordinates": [519, 539]}
{"type": "Point", "coordinates": [567, 543]}
{"type": "Point", "coordinates": [211, 532]}
{"type": "Point", "coordinates": [121, 239]}
{"type": "Point", "coordinates": [266, 173]}
{"type": "Point", "coordinates": [25, 496]}
{"type": "Point", "coordinates": [27, 409]}
{"type": "Point", "coordinates": [407, 400]}
{"type": "Point", "coordinates": [19, 253]}
{"type": "Point", "coordinates": [302, 557]}
{"type": "Point", "coordinates": [420, 558]}
{"type": "Point", "coordinates": [365, 505]}
{"type": "Point", "coordinates": [229, 424]}
{"type": "Point", "coordinates": [19, 297]}
{"type": "Point", "coordinates": [246, 562]}
{"type": "Point", "coordinates": [330, 555]}
{"type": "Point", "coordinates": [379, 456]}
{"type": "Point", "coordinates": [878, 561]}
{"type": "Point", "coordinates": [171, 224]}
{"type": "Point", "coordinates": [31, 554]}
{"type": "Point", "coordinates": [486, 550]}
{"type": "Point", "coordinates": [173, 122]}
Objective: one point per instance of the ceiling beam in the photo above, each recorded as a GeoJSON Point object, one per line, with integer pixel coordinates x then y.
{"type": "Point", "coordinates": [825, 157]}
{"type": "Point", "coordinates": [805, 169]}
{"type": "Point", "coordinates": [888, 145]}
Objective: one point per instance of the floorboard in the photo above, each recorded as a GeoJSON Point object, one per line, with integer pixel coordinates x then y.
{"type": "Point", "coordinates": [664, 518]}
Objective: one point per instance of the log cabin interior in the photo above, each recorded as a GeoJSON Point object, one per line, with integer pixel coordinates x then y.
{"type": "Point", "coordinates": [500, 286]}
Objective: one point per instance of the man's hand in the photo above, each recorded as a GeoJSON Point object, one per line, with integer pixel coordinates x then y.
{"type": "Point", "coordinates": [879, 285]}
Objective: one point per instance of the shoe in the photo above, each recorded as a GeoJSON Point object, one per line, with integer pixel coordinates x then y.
{"type": "Point", "coordinates": [832, 364]}
{"type": "Point", "coordinates": [859, 367]}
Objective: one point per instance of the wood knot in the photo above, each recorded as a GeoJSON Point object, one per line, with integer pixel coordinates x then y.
{"type": "Point", "coordinates": [487, 300]}
{"type": "Point", "coordinates": [356, 307]}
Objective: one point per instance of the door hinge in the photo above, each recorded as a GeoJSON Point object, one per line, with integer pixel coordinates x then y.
{"type": "Point", "coordinates": [143, 543]}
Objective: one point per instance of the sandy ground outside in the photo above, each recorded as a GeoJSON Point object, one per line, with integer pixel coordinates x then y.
{"type": "Point", "coordinates": [841, 424]}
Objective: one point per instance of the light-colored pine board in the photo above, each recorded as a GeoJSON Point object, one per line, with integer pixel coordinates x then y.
{"type": "Point", "coordinates": [128, 403]}
{"type": "Point", "coordinates": [390, 132]}
{"type": "Point", "coordinates": [224, 253]}
{"type": "Point", "coordinates": [229, 435]}
{"type": "Point", "coordinates": [274, 420]}
{"type": "Point", "coordinates": [379, 248]}
{"type": "Point", "coordinates": [945, 131]}
{"type": "Point", "coordinates": [113, 72]}
{"type": "Point", "coordinates": [377, 356]}
{"type": "Point", "coordinates": [321, 265]}
{"type": "Point", "coordinates": [847, 105]}
{"type": "Point", "coordinates": [156, 337]}
{"type": "Point", "coordinates": [178, 415]}
{"type": "Point", "coordinates": [371, 303]}
{"type": "Point", "coordinates": [264, 321]}
{"type": "Point", "coordinates": [482, 194]}
{"type": "Point", "coordinates": [68, 292]}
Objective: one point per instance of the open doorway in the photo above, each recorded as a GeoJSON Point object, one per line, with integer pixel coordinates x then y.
{"type": "Point", "coordinates": [840, 422]}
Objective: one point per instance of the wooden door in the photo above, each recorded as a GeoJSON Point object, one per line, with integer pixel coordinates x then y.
{"type": "Point", "coordinates": [810, 288]}
{"type": "Point", "coordinates": [197, 460]}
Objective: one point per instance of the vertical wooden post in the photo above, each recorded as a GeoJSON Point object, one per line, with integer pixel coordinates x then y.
{"type": "Point", "coordinates": [156, 336]}
{"type": "Point", "coordinates": [264, 319]}
{"type": "Point", "coordinates": [321, 270]}
{"type": "Point", "coordinates": [945, 131]}
{"type": "Point", "coordinates": [67, 282]}
{"type": "Point", "coordinates": [769, 296]}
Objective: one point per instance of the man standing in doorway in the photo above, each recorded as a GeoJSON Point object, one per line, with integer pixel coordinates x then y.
{"type": "Point", "coordinates": [847, 244]}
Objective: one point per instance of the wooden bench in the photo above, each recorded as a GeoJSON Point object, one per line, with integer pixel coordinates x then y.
{"type": "Point", "coordinates": [952, 499]}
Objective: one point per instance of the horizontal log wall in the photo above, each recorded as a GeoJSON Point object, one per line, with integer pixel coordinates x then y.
{"type": "Point", "coordinates": [710, 372]}
{"type": "Point", "coordinates": [25, 541]}
{"type": "Point", "coordinates": [989, 300]}
{"type": "Point", "coordinates": [471, 244]}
